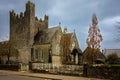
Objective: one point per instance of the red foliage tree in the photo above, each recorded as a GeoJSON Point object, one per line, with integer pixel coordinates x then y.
{"type": "Point", "coordinates": [93, 41]}
{"type": "Point", "coordinates": [65, 43]}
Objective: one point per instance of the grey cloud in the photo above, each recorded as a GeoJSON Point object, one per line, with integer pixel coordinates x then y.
{"type": "Point", "coordinates": [75, 14]}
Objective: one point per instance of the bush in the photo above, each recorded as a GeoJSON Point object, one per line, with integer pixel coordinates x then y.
{"type": "Point", "coordinates": [112, 58]}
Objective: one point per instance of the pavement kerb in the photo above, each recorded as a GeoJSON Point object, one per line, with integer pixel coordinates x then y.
{"type": "Point", "coordinates": [47, 76]}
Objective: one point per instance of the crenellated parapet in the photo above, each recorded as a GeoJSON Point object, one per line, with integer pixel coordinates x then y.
{"type": "Point", "coordinates": [41, 24]}
{"type": "Point", "coordinates": [15, 18]}
{"type": "Point", "coordinates": [12, 13]}
{"type": "Point", "coordinates": [40, 20]}
{"type": "Point", "coordinates": [24, 26]}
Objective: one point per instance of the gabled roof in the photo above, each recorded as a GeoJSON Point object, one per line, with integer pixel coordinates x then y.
{"type": "Point", "coordinates": [4, 47]}
{"type": "Point", "coordinates": [70, 35]}
{"type": "Point", "coordinates": [107, 52]}
{"type": "Point", "coordinates": [45, 36]}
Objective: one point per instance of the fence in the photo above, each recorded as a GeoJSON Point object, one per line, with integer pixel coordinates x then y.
{"type": "Point", "coordinates": [9, 67]}
{"type": "Point", "coordinates": [15, 67]}
{"type": "Point", "coordinates": [57, 68]}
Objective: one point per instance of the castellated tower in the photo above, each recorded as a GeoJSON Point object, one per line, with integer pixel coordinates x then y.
{"type": "Point", "coordinates": [30, 21]}
{"type": "Point", "coordinates": [23, 28]}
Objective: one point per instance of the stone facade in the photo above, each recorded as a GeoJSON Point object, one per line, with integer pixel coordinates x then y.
{"type": "Point", "coordinates": [31, 40]}
{"type": "Point", "coordinates": [70, 51]}
{"type": "Point", "coordinates": [23, 28]}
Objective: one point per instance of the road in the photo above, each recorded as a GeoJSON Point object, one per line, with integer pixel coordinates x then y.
{"type": "Point", "coordinates": [15, 75]}
{"type": "Point", "coordinates": [5, 76]}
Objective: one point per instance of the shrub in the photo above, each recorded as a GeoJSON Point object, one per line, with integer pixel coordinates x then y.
{"type": "Point", "coordinates": [112, 58]}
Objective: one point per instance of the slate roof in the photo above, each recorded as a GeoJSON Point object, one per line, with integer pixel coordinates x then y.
{"type": "Point", "coordinates": [4, 48]}
{"type": "Point", "coordinates": [45, 36]}
{"type": "Point", "coordinates": [107, 52]}
{"type": "Point", "coordinates": [4, 44]}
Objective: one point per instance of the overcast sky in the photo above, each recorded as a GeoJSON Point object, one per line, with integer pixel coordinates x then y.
{"type": "Point", "coordinates": [73, 14]}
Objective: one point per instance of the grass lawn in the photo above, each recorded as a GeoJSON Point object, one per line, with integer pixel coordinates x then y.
{"type": "Point", "coordinates": [112, 65]}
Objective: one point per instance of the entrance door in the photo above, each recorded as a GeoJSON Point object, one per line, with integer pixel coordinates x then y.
{"type": "Point", "coordinates": [75, 56]}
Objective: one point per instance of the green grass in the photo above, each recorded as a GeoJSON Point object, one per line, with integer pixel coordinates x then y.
{"type": "Point", "coordinates": [112, 65]}
{"type": "Point", "coordinates": [115, 65]}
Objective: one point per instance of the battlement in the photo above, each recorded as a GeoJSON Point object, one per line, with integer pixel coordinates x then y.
{"type": "Point", "coordinates": [20, 16]}
{"type": "Point", "coordinates": [40, 20]}
{"type": "Point", "coordinates": [29, 12]}
{"type": "Point", "coordinates": [25, 25]}
{"type": "Point", "coordinates": [14, 16]}
{"type": "Point", "coordinates": [41, 24]}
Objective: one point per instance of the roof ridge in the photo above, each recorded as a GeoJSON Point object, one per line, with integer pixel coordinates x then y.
{"type": "Point", "coordinates": [54, 27]}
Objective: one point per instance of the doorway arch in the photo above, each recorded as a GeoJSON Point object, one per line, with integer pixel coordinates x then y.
{"type": "Point", "coordinates": [75, 56]}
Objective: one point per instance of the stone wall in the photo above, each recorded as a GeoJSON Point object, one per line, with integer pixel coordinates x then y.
{"type": "Point", "coordinates": [24, 55]}
{"type": "Point", "coordinates": [76, 70]}
{"type": "Point", "coordinates": [56, 54]}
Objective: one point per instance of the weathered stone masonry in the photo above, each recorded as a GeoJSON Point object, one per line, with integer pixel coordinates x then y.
{"type": "Point", "coordinates": [32, 41]}
{"type": "Point", "coordinates": [23, 28]}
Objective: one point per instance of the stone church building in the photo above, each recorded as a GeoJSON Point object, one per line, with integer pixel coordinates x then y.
{"type": "Point", "coordinates": [32, 41]}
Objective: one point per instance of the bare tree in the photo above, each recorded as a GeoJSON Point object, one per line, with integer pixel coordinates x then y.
{"type": "Point", "coordinates": [118, 31]}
